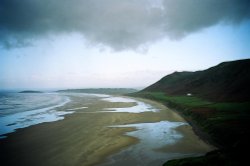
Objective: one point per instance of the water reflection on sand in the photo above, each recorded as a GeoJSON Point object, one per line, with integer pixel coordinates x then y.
{"type": "Point", "coordinates": [138, 108]}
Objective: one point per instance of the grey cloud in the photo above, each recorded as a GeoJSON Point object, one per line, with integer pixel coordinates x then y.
{"type": "Point", "coordinates": [125, 24]}
{"type": "Point", "coordinates": [186, 16]}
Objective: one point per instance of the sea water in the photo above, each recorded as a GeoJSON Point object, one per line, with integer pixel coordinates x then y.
{"type": "Point", "coordinates": [20, 110]}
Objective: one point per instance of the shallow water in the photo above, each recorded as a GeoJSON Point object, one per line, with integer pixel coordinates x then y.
{"type": "Point", "coordinates": [155, 135]}
{"type": "Point", "coordinates": [119, 99]}
{"type": "Point", "coordinates": [78, 108]}
{"type": "Point", "coordinates": [152, 136]}
{"type": "Point", "coordinates": [138, 108]}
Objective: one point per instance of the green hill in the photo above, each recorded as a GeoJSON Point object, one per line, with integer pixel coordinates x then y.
{"type": "Point", "coordinates": [216, 102]}
{"type": "Point", "coordinates": [228, 81]}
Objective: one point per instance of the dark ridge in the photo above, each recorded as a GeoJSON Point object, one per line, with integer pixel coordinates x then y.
{"type": "Point", "coordinates": [228, 81]}
{"type": "Point", "coordinates": [101, 90]}
{"type": "Point", "coordinates": [30, 91]}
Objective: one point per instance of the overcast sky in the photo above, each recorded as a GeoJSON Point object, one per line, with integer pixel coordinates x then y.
{"type": "Point", "coordinates": [110, 43]}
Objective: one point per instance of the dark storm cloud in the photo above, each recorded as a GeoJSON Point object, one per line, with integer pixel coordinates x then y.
{"type": "Point", "coordinates": [186, 16]}
{"type": "Point", "coordinates": [120, 24]}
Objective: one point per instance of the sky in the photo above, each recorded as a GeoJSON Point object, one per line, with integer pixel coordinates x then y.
{"type": "Point", "coordinates": [57, 44]}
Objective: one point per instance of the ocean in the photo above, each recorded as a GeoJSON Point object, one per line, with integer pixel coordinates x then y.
{"type": "Point", "coordinates": [19, 110]}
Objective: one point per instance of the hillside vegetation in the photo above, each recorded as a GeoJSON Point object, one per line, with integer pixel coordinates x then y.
{"type": "Point", "coordinates": [216, 102]}
{"type": "Point", "coordinates": [228, 81]}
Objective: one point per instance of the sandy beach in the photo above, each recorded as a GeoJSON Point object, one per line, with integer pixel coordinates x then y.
{"type": "Point", "coordinates": [91, 136]}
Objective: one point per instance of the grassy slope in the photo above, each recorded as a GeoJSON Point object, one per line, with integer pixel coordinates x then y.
{"type": "Point", "coordinates": [226, 123]}
{"type": "Point", "coordinates": [228, 81]}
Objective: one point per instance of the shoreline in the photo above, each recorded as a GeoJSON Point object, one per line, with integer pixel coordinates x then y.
{"type": "Point", "coordinates": [12, 122]}
{"type": "Point", "coordinates": [195, 127]}
{"type": "Point", "coordinates": [92, 142]}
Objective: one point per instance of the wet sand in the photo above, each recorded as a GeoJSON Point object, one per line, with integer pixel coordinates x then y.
{"type": "Point", "coordinates": [84, 138]}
